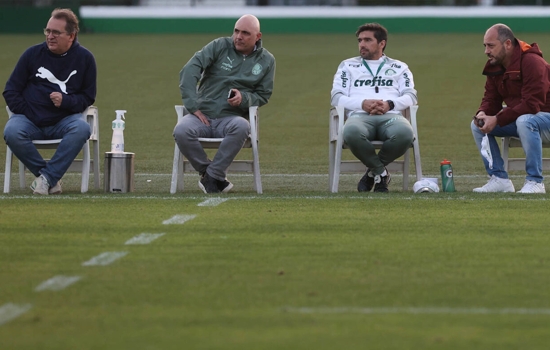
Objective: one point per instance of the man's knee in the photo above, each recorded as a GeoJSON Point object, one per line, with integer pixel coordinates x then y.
{"type": "Point", "coordinates": [81, 129]}
{"type": "Point", "coordinates": [239, 126]}
{"type": "Point", "coordinates": [352, 132]}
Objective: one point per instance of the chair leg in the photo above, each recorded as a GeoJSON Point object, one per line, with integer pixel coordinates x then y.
{"type": "Point", "coordinates": [505, 150]}
{"type": "Point", "coordinates": [417, 160]}
{"type": "Point", "coordinates": [336, 170]}
{"type": "Point", "coordinates": [177, 168]}
{"type": "Point", "coordinates": [85, 167]}
{"type": "Point", "coordinates": [331, 155]}
{"type": "Point", "coordinates": [7, 172]}
{"type": "Point", "coordinates": [22, 181]}
{"type": "Point", "coordinates": [406, 170]}
{"type": "Point", "coordinates": [256, 165]}
{"type": "Point", "coordinates": [96, 164]}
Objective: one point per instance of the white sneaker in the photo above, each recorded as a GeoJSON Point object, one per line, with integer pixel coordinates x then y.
{"type": "Point", "coordinates": [40, 185]}
{"type": "Point", "coordinates": [56, 189]}
{"type": "Point", "coordinates": [532, 187]}
{"type": "Point", "coordinates": [496, 184]}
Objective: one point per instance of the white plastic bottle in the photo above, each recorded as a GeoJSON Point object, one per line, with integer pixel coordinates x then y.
{"type": "Point", "coordinates": [117, 142]}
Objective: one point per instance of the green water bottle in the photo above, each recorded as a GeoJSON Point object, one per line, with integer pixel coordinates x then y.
{"type": "Point", "coordinates": [447, 176]}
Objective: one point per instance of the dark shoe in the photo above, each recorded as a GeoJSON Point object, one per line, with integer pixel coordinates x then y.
{"type": "Point", "coordinates": [382, 182]}
{"type": "Point", "coordinates": [224, 186]}
{"type": "Point", "coordinates": [208, 184]}
{"type": "Point", "coordinates": [366, 182]}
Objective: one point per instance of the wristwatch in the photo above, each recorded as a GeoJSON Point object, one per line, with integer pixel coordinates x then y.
{"type": "Point", "coordinates": [391, 104]}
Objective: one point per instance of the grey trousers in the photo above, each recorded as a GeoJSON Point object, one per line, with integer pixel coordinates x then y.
{"type": "Point", "coordinates": [393, 129]}
{"type": "Point", "coordinates": [233, 129]}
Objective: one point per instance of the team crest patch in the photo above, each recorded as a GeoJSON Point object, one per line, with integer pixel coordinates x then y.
{"type": "Point", "coordinates": [257, 69]}
{"type": "Point", "coordinates": [390, 72]}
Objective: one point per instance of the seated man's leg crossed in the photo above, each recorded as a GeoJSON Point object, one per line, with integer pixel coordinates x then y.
{"type": "Point", "coordinates": [233, 130]}
{"type": "Point", "coordinates": [19, 134]}
{"type": "Point", "coordinates": [361, 129]}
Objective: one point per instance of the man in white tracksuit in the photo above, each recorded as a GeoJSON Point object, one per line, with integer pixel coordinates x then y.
{"type": "Point", "coordinates": [374, 88]}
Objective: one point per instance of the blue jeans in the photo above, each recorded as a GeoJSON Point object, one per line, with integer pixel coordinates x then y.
{"type": "Point", "coordinates": [532, 129]}
{"type": "Point", "coordinates": [20, 132]}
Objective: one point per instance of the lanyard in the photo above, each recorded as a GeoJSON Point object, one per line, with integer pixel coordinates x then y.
{"type": "Point", "coordinates": [379, 67]}
{"type": "Point", "coordinates": [378, 71]}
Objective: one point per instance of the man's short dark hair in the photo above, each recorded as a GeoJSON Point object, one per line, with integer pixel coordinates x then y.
{"type": "Point", "coordinates": [72, 21]}
{"type": "Point", "coordinates": [380, 33]}
{"type": "Point", "coordinates": [504, 33]}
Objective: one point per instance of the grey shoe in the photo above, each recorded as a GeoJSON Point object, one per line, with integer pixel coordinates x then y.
{"type": "Point", "coordinates": [40, 185]}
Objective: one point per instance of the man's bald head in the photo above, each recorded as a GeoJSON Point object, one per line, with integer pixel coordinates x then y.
{"type": "Point", "coordinates": [246, 34]}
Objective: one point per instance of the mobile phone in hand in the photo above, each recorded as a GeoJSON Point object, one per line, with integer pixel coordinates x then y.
{"type": "Point", "coordinates": [231, 94]}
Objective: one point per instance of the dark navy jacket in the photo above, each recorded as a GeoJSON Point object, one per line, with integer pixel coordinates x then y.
{"type": "Point", "coordinates": [39, 72]}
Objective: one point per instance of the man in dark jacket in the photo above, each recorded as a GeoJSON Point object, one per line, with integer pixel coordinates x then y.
{"type": "Point", "coordinates": [516, 103]}
{"type": "Point", "coordinates": [51, 86]}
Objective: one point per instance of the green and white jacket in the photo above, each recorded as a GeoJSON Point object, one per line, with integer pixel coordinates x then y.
{"type": "Point", "coordinates": [209, 75]}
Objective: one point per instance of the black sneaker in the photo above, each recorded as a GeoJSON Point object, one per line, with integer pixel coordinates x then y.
{"type": "Point", "coordinates": [366, 182]}
{"type": "Point", "coordinates": [382, 182]}
{"type": "Point", "coordinates": [224, 186]}
{"type": "Point", "coordinates": [208, 184]}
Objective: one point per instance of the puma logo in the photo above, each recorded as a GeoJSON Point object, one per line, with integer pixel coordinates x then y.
{"type": "Point", "coordinates": [46, 74]}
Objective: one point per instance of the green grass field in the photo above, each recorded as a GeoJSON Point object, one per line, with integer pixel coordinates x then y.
{"type": "Point", "coordinates": [296, 267]}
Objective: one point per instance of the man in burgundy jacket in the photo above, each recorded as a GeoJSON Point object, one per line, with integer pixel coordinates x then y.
{"type": "Point", "coordinates": [516, 103]}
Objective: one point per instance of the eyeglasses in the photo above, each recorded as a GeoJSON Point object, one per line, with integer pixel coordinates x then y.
{"type": "Point", "coordinates": [55, 33]}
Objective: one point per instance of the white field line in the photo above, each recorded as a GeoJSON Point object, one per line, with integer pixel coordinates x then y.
{"type": "Point", "coordinates": [144, 238]}
{"type": "Point", "coordinates": [11, 311]}
{"type": "Point", "coordinates": [441, 196]}
{"type": "Point", "coordinates": [212, 202]}
{"type": "Point", "coordinates": [178, 219]}
{"type": "Point", "coordinates": [417, 310]}
{"type": "Point", "coordinates": [57, 283]}
{"type": "Point", "coordinates": [354, 175]}
{"type": "Point", "coordinates": [104, 259]}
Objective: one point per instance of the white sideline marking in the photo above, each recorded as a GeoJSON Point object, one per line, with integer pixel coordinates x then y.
{"type": "Point", "coordinates": [144, 238]}
{"type": "Point", "coordinates": [416, 310]}
{"type": "Point", "coordinates": [57, 283]}
{"type": "Point", "coordinates": [178, 219]}
{"type": "Point", "coordinates": [104, 259]}
{"type": "Point", "coordinates": [212, 202]}
{"type": "Point", "coordinates": [11, 311]}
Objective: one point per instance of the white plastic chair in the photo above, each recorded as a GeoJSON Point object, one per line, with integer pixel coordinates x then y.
{"type": "Point", "coordinates": [78, 165]}
{"type": "Point", "coordinates": [518, 163]}
{"type": "Point", "coordinates": [181, 165]}
{"type": "Point", "coordinates": [336, 144]}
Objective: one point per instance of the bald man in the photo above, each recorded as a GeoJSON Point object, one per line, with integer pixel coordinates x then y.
{"type": "Point", "coordinates": [233, 74]}
{"type": "Point", "coordinates": [518, 78]}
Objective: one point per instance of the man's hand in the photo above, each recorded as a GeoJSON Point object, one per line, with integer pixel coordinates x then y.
{"type": "Point", "coordinates": [235, 100]}
{"type": "Point", "coordinates": [485, 123]}
{"type": "Point", "coordinates": [201, 117]}
{"type": "Point", "coordinates": [375, 107]}
{"type": "Point", "coordinates": [56, 98]}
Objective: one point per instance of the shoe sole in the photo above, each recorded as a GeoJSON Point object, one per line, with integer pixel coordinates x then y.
{"type": "Point", "coordinates": [228, 188]}
{"type": "Point", "coordinates": [201, 186]}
